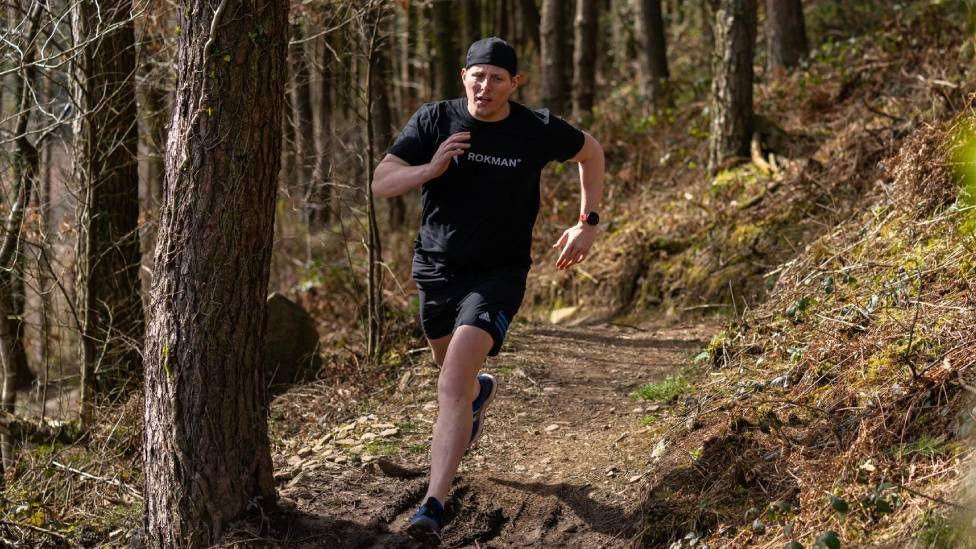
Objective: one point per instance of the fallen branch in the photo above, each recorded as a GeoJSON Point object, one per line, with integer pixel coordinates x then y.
{"type": "Point", "coordinates": [38, 432]}
{"type": "Point", "coordinates": [60, 537]}
{"type": "Point", "coordinates": [132, 491]}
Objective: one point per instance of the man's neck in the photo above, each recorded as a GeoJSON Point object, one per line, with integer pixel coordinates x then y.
{"type": "Point", "coordinates": [496, 116]}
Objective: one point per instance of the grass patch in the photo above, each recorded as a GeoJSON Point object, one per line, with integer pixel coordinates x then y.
{"type": "Point", "coordinates": [938, 532]}
{"type": "Point", "coordinates": [417, 449]}
{"type": "Point", "coordinates": [381, 448]}
{"type": "Point", "coordinates": [665, 390]}
{"type": "Point", "coordinates": [647, 420]}
{"type": "Point", "coordinates": [925, 446]}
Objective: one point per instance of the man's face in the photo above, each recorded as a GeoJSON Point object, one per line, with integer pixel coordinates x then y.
{"type": "Point", "coordinates": [488, 88]}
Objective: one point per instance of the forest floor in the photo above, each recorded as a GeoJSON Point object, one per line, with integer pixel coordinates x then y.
{"type": "Point", "coordinates": [560, 464]}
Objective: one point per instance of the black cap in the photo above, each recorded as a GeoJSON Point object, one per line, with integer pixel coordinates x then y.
{"type": "Point", "coordinates": [493, 51]}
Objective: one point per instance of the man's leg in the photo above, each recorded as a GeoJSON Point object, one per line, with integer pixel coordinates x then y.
{"type": "Point", "coordinates": [457, 387]}
{"type": "Point", "coordinates": [438, 348]}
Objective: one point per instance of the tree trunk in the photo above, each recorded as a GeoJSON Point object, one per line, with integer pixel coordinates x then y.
{"type": "Point", "coordinates": [318, 198]}
{"type": "Point", "coordinates": [448, 60]}
{"type": "Point", "coordinates": [472, 22]}
{"type": "Point", "coordinates": [206, 452]}
{"type": "Point", "coordinates": [382, 126]}
{"type": "Point", "coordinates": [531, 21]}
{"type": "Point", "coordinates": [584, 58]}
{"type": "Point", "coordinates": [786, 34]}
{"type": "Point", "coordinates": [735, 35]}
{"type": "Point", "coordinates": [553, 56]}
{"type": "Point", "coordinates": [106, 145]}
{"type": "Point", "coordinates": [26, 163]}
{"type": "Point", "coordinates": [500, 25]}
{"type": "Point", "coordinates": [407, 44]}
{"type": "Point", "coordinates": [654, 52]}
{"type": "Point", "coordinates": [301, 101]}
{"type": "Point", "coordinates": [154, 98]}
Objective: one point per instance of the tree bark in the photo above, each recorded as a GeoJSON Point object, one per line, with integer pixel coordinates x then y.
{"type": "Point", "coordinates": [206, 451]}
{"type": "Point", "coordinates": [301, 102]}
{"type": "Point", "coordinates": [786, 34]}
{"type": "Point", "coordinates": [472, 22]}
{"type": "Point", "coordinates": [553, 56]}
{"type": "Point", "coordinates": [318, 198]}
{"type": "Point", "coordinates": [531, 21]}
{"type": "Point", "coordinates": [584, 58]}
{"type": "Point", "coordinates": [654, 52]}
{"type": "Point", "coordinates": [106, 146]}
{"type": "Point", "coordinates": [447, 59]}
{"type": "Point", "coordinates": [500, 24]}
{"type": "Point", "coordinates": [26, 161]}
{"type": "Point", "coordinates": [382, 121]}
{"type": "Point", "coordinates": [731, 127]}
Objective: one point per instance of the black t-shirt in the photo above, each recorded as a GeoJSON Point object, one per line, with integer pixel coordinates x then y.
{"type": "Point", "coordinates": [479, 214]}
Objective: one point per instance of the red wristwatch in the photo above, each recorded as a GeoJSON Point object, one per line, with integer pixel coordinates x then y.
{"type": "Point", "coordinates": [591, 218]}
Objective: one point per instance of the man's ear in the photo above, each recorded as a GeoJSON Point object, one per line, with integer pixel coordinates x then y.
{"type": "Point", "coordinates": [464, 71]}
{"type": "Point", "coordinates": [516, 80]}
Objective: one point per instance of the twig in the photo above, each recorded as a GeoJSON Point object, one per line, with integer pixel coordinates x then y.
{"type": "Point", "coordinates": [90, 476]}
{"type": "Point", "coordinates": [931, 498]}
{"type": "Point", "coordinates": [911, 336]}
{"type": "Point", "coordinates": [52, 533]}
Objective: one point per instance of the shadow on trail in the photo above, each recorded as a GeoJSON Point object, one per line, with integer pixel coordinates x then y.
{"type": "Point", "coordinates": [295, 528]}
{"type": "Point", "coordinates": [599, 517]}
{"type": "Point", "coordinates": [617, 341]}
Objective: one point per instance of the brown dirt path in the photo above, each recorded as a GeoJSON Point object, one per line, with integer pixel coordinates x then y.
{"type": "Point", "coordinates": [560, 463]}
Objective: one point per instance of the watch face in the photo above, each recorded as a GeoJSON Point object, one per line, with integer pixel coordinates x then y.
{"type": "Point", "coordinates": [592, 218]}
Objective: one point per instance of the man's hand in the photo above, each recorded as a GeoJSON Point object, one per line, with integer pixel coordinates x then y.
{"type": "Point", "coordinates": [451, 148]}
{"type": "Point", "coordinates": [575, 242]}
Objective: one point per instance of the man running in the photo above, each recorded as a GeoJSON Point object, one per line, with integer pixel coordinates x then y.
{"type": "Point", "coordinates": [477, 160]}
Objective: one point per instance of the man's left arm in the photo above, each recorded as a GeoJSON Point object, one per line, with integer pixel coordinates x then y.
{"type": "Point", "coordinates": [577, 240]}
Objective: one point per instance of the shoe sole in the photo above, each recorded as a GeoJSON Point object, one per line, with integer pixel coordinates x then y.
{"type": "Point", "coordinates": [424, 535]}
{"type": "Point", "coordinates": [481, 412]}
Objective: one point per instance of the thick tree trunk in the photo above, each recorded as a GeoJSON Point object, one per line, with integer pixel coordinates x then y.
{"type": "Point", "coordinates": [786, 34]}
{"type": "Point", "coordinates": [472, 22]}
{"type": "Point", "coordinates": [383, 127]}
{"type": "Point", "coordinates": [206, 452]}
{"type": "Point", "coordinates": [531, 22]}
{"type": "Point", "coordinates": [584, 58]}
{"type": "Point", "coordinates": [500, 26]}
{"type": "Point", "coordinates": [654, 52]}
{"type": "Point", "coordinates": [26, 161]}
{"type": "Point", "coordinates": [553, 56]}
{"type": "Point", "coordinates": [318, 198]}
{"type": "Point", "coordinates": [301, 102]}
{"type": "Point", "coordinates": [735, 35]}
{"type": "Point", "coordinates": [448, 60]}
{"type": "Point", "coordinates": [106, 145]}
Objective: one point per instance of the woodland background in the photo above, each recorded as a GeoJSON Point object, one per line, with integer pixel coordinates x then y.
{"type": "Point", "coordinates": [800, 170]}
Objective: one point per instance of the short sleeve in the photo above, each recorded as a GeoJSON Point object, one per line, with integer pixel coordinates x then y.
{"type": "Point", "coordinates": [565, 139]}
{"type": "Point", "coordinates": [415, 143]}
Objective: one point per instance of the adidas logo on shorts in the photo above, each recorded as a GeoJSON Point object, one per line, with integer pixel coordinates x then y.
{"type": "Point", "coordinates": [485, 316]}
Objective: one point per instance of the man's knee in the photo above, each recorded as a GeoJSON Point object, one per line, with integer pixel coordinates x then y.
{"type": "Point", "coordinates": [451, 387]}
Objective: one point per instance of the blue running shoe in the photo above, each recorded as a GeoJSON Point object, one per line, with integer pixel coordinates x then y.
{"type": "Point", "coordinates": [480, 404]}
{"type": "Point", "coordinates": [425, 525]}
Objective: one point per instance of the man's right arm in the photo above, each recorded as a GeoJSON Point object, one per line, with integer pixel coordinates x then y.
{"type": "Point", "coordinates": [394, 176]}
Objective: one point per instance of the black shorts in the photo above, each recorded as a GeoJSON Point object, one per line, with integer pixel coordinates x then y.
{"type": "Point", "coordinates": [488, 301]}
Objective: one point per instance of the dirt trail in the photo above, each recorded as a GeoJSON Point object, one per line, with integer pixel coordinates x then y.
{"type": "Point", "coordinates": [560, 463]}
